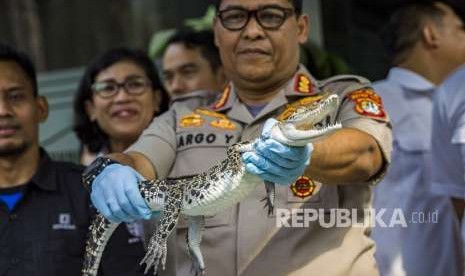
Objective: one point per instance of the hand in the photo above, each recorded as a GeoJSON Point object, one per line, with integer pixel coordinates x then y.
{"type": "Point", "coordinates": [115, 193]}
{"type": "Point", "coordinates": [276, 162]}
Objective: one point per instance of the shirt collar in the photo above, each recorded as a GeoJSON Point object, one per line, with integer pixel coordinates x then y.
{"type": "Point", "coordinates": [302, 84]}
{"type": "Point", "coordinates": [45, 176]}
{"type": "Point", "coordinates": [410, 80]}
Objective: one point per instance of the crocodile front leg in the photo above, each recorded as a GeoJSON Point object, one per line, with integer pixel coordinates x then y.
{"type": "Point", "coordinates": [156, 250]}
{"type": "Point", "coordinates": [194, 238]}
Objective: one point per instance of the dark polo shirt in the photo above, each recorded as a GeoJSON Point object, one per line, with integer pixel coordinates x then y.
{"type": "Point", "coordinates": [46, 231]}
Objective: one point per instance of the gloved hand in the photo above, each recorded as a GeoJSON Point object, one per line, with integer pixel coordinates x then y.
{"type": "Point", "coordinates": [276, 162]}
{"type": "Point", "coordinates": [116, 195]}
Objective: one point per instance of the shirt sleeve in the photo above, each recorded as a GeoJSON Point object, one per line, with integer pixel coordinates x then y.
{"type": "Point", "coordinates": [158, 143]}
{"type": "Point", "coordinates": [379, 127]}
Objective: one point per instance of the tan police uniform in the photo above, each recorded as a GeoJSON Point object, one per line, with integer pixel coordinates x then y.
{"type": "Point", "coordinates": [243, 240]}
{"type": "Point", "coordinates": [194, 99]}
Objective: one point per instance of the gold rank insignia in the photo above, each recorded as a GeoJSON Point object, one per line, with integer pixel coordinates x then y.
{"type": "Point", "coordinates": [303, 187]}
{"type": "Point", "coordinates": [368, 103]}
{"type": "Point", "coordinates": [224, 98]}
{"type": "Point", "coordinates": [303, 84]}
{"type": "Point", "coordinates": [209, 113]}
{"type": "Point", "coordinates": [192, 120]}
{"type": "Point", "coordinates": [223, 124]}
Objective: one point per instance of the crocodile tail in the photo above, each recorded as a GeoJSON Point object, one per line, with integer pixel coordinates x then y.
{"type": "Point", "coordinates": [100, 232]}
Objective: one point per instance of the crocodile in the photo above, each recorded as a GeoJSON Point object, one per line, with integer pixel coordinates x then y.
{"type": "Point", "coordinates": [212, 191]}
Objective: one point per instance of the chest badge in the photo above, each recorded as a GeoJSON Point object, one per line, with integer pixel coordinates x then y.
{"type": "Point", "coordinates": [223, 124]}
{"type": "Point", "coordinates": [303, 187]}
{"type": "Point", "coordinates": [192, 120]}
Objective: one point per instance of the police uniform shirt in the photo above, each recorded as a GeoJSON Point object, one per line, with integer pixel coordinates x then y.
{"type": "Point", "coordinates": [243, 240]}
{"type": "Point", "coordinates": [45, 234]}
{"type": "Point", "coordinates": [408, 98]}
{"type": "Point", "coordinates": [194, 99]}
{"type": "Point", "coordinates": [449, 137]}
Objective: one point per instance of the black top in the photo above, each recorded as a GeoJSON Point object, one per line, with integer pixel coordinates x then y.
{"type": "Point", "coordinates": [45, 234]}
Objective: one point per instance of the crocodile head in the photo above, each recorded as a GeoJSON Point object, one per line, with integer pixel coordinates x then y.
{"type": "Point", "coordinates": [308, 122]}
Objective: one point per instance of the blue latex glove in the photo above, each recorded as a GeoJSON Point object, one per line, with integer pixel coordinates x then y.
{"type": "Point", "coordinates": [276, 162]}
{"type": "Point", "coordinates": [116, 195]}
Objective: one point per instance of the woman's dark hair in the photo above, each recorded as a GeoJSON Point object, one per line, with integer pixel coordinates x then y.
{"type": "Point", "coordinates": [88, 132]}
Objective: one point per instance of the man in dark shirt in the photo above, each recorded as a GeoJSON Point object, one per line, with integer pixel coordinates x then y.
{"type": "Point", "coordinates": [44, 211]}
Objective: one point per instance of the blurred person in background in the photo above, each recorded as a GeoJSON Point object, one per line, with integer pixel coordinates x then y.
{"type": "Point", "coordinates": [192, 70]}
{"type": "Point", "coordinates": [45, 211]}
{"type": "Point", "coordinates": [426, 42]}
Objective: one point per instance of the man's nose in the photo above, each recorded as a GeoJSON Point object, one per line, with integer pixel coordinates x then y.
{"type": "Point", "coordinates": [253, 30]}
{"type": "Point", "coordinates": [178, 85]}
{"type": "Point", "coordinates": [5, 108]}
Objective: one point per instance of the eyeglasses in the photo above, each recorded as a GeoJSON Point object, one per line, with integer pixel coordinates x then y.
{"type": "Point", "coordinates": [269, 18]}
{"type": "Point", "coordinates": [108, 89]}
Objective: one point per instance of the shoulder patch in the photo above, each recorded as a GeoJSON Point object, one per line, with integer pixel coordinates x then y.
{"type": "Point", "coordinates": [368, 103]}
{"type": "Point", "coordinates": [303, 84]}
{"type": "Point", "coordinates": [223, 99]}
{"type": "Point", "coordinates": [191, 120]}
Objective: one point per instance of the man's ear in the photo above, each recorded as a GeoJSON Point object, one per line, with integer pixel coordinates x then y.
{"type": "Point", "coordinates": [430, 36]}
{"type": "Point", "coordinates": [303, 25]}
{"type": "Point", "coordinates": [215, 27]}
{"type": "Point", "coordinates": [90, 110]}
{"type": "Point", "coordinates": [42, 107]}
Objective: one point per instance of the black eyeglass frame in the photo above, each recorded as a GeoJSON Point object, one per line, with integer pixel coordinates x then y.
{"type": "Point", "coordinates": [123, 85]}
{"type": "Point", "coordinates": [287, 12]}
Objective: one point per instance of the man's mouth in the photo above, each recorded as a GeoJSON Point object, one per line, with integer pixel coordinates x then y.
{"type": "Point", "coordinates": [6, 131]}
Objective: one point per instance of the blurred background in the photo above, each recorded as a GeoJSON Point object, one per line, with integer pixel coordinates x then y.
{"type": "Point", "coordinates": [62, 36]}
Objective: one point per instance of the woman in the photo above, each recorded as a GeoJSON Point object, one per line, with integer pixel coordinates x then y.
{"type": "Point", "coordinates": [117, 98]}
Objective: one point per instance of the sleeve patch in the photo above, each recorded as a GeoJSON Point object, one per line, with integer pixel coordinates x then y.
{"type": "Point", "coordinates": [368, 103]}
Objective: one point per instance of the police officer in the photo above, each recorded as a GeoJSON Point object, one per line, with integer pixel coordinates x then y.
{"type": "Point", "coordinates": [426, 42]}
{"type": "Point", "coordinates": [44, 210]}
{"type": "Point", "coordinates": [258, 42]}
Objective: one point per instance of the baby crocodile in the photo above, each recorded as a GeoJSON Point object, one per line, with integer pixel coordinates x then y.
{"type": "Point", "coordinates": [210, 192]}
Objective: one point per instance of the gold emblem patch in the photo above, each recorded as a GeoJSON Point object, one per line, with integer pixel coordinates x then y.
{"type": "Point", "coordinates": [303, 187]}
{"type": "Point", "coordinates": [223, 124]}
{"type": "Point", "coordinates": [192, 120]}
{"type": "Point", "coordinates": [368, 103]}
{"type": "Point", "coordinates": [303, 84]}
{"type": "Point", "coordinates": [224, 98]}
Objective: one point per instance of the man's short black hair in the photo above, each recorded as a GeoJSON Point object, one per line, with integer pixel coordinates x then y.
{"type": "Point", "coordinates": [7, 53]}
{"type": "Point", "coordinates": [404, 28]}
{"type": "Point", "coordinates": [203, 40]}
{"type": "Point", "coordinates": [296, 3]}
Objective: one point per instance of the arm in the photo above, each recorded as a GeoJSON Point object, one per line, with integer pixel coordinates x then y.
{"type": "Point", "coordinates": [137, 161]}
{"type": "Point", "coordinates": [345, 157]}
